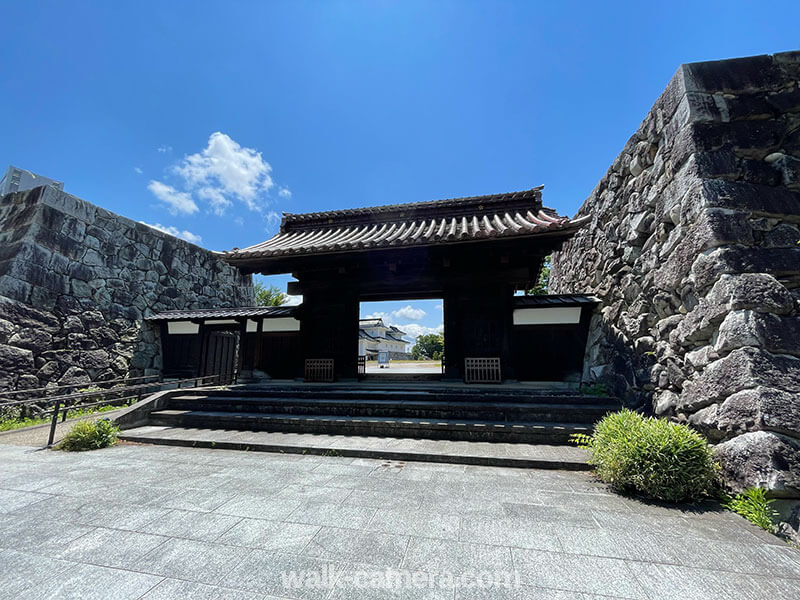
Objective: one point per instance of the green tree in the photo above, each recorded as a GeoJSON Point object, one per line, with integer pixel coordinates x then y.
{"type": "Point", "coordinates": [542, 286]}
{"type": "Point", "coordinates": [428, 346]}
{"type": "Point", "coordinates": [268, 296]}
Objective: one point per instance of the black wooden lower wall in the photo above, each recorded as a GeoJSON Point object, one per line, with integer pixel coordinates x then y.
{"type": "Point", "coordinates": [275, 353]}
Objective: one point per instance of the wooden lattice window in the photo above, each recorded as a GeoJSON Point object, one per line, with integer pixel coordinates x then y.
{"type": "Point", "coordinates": [482, 370]}
{"type": "Point", "coordinates": [319, 369]}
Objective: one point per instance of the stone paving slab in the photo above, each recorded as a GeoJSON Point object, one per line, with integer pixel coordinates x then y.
{"type": "Point", "coordinates": [538, 456]}
{"type": "Point", "coordinates": [226, 524]}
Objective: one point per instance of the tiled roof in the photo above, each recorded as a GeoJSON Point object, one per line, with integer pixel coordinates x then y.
{"type": "Point", "coordinates": [394, 332]}
{"type": "Point", "coordinates": [390, 334]}
{"type": "Point", "coordinates": [224, 313]}
{"type": "Point", "coordinates": [415, 224]}
{"type": "Point", "coordinates": [371, 322]}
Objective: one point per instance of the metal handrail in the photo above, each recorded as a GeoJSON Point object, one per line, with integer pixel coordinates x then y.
{"type": "Point", "coordinates": [65, 397]}
{"type": "Point", "coordinates": [59, 402]}
{"type": "Point", "coordinates": [74, 385]}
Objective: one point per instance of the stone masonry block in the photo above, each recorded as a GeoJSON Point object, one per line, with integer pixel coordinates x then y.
{"type": "Point", "coordinates": [775, 261]}
{"type": "Point", "coordinates": [762, 459]}
{"type": "Point", "coordinates": [746, 291]}
{"type": "Point", "coordinates": [755, 199]}
{"type": "Point", "coordinates": [776, 334]}
{"type": "Point", "coordinates": [742, 369]}
{"type": "Point", "coordinates": [761, 408]}
{"type": "Point", "coordinates": [737, 75]}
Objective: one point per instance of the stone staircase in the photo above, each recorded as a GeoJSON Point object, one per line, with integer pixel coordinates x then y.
{"type": "Point", "coordinates": [484, 414]}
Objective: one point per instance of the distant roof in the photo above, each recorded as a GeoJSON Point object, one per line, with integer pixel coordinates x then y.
{"type": "Point", "coordinates": [555, 300]}
{"type": "Point", "coordinates": [454, 220]}
{"type": "Point", "coordinates": [393, 331]}
{"type": "Point", "coordinates": [224, 313]}
{"type": "Point", "coordinates": [371, 322]}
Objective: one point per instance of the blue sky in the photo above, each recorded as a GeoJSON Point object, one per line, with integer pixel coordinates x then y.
{"type": "Point", "coordinates": [211, 118]}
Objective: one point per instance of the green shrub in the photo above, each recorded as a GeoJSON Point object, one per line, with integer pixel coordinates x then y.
{"type": "Point", "coordinates": [754, 506]}
{"type": "Point", "coordinates": [90, 435]}
{"type": "Point", "coordinates": [652, 457]}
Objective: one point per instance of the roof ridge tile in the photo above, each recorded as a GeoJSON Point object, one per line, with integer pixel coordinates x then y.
{"type": "Point", "coordinates": [294, 218]}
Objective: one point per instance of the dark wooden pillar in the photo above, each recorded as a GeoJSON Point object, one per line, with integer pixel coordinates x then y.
{"type": "Point", "coordinates": [329, 329]}
{"type": "Point", "coordinates": [453, 353]}
{"type": "Point", "coordinates": [478, 323]}
{"type": "Point", "coordinates": [258, 346]}
{"type": "Point", "coordinates": [506, 307]}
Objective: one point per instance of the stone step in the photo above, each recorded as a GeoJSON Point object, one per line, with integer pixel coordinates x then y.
{"type": "Point", "coordinates": [446, 429]}
{"type": "Point", "coordinates": [499, 454]}
{"type": "Point", "coordinates": [415, 408]}
{"type": "Point", "coordinates": [440, 395]}
{"type": "Point", "coordinates": [387, 376]}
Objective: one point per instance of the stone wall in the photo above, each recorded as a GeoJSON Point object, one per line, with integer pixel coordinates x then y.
{"type": "Point", "coordinates": [693, 250]}
{"type": "Point", "coordinates": [76, 280]}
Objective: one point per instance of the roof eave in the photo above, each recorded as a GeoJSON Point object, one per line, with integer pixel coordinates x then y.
{"type": "Point", "coordinates": [564, 232]}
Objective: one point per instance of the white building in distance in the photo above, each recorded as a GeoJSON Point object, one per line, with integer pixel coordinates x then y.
{"type": "Point", "coordinates": [375, 336]}
{"type": "Point", "coordinates": [19, 180]}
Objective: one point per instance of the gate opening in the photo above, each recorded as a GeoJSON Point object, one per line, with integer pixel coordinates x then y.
{"type": "Point", "coordinates": [401, 340]}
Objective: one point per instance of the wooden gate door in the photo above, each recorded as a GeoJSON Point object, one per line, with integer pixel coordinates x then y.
{"type": "Point", "coordinates": [220, 348]}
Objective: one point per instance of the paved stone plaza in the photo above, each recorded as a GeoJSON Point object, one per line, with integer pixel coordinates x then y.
{"type": "Point", "coordinates": [155, 522]}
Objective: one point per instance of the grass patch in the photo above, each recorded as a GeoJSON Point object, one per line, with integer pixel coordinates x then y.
{"type": "Point", "coordinates": [8, 423]}
{"type": "Point", "coordinates": [652, 457]}
{"type": "Point", "coordinates": [90, 435]}
{"type": "Point", "coordinates": [753, 505]}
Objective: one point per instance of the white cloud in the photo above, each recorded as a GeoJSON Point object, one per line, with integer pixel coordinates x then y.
{"type": "Point", "coordinates": [183, 234]}
{"type": "Point", "coordinates": [409, 312]}
{"type": "Point", "coordinates": [219, 176]}
{"type": "Point", "coordinates": [138, 170]}
{"type": "Point", "coordinates": [439, 307]}
{"type": "Point", "coordinates": [413, 330]}
{"type": "Point", "coordinates": [224, 170]}
{"type": "Point", "coordinates": [239, 221]}
{"type": "Point", "coordinates": [219, 203]}
{"type": "Point", "coordinates": [178, 202]}
{"type": "Point", "coordinates": [293, 300]}
{"type": "Point", "coordinates": [273, 219]}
